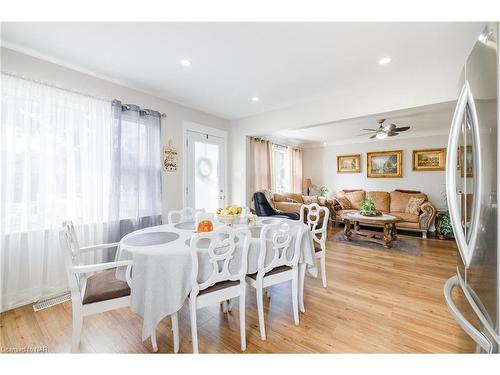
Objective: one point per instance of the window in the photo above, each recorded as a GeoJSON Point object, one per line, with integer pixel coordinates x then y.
{"type": "Point", "coordinates": [281, 168]}
{"type": "Point", "coordinates": [69, 156]}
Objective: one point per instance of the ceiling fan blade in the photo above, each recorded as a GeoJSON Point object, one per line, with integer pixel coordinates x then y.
{"type": "Point", "coordinates": [359, 135]}
{"type": "Point", "coordinates": [372, 130]}
{"type": "Point", "coordinates": [392, 134]}
{"type": "Point", "coordinates": [373, 136]}
{"type": "Point", "coordinates": [401, 129]}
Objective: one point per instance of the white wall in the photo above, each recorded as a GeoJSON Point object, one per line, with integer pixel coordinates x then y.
{"type": "Point", "coordinates": [24, 65]}
{"type": "Point", "coordinates": [320, 164]}
{"type": "Point", "coordinates": [357, 101]}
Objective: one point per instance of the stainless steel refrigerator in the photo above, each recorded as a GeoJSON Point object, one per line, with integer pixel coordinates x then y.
{"type": "Point", "coordinates": [471, 187]}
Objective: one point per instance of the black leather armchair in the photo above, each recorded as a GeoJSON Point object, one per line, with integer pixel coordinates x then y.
{"type": "Point", "coordinates": [263, 208]}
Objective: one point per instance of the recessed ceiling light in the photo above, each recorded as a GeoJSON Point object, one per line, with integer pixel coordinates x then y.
{"type": "Point", "coordinates": [255, 99]}
{"type": "Point", "coordinates": [185, 62]}
{"type": "Point", "coordinates": [384, 60]}
{"type": "Point", "coordinates": [324, 143]}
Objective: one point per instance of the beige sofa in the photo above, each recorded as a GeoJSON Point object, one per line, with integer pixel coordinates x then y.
{"type": "Point", "coordinates": [291, 202]}
{"type": "Point", "coordinates": [393, 203]}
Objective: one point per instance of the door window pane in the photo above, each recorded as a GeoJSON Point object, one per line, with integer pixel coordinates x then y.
{"type": "Point", "coordinates": [206, 175]}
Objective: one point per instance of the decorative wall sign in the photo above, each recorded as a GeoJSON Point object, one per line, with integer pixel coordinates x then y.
{"type": "Point", "coordinates": [170, 157]}
{"type": "Point", "coordinates": [384, 164]}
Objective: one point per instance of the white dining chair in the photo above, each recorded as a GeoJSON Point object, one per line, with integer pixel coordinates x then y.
{"type": "Point", "coordinates": [94, 287]}
{"type": "Point", "coordinates": [316, 217]}
{"type": "Point", "coordinates": [224, 283]}
{"type": "Point", "coordinates": [184, 215]}
{"type": "Point", "coordinates": [280, 246]}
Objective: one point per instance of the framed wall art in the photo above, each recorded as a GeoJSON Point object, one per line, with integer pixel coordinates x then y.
{"type": "Point", "coordinates": [429, 160]}
{"type": "Point", "coordinates": [349, 163]}
{"type": "Point", "coordinates": [384, 164]}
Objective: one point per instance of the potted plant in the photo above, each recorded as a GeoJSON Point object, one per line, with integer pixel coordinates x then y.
{"type": "Point", "coordinates": [322, 191]}
{"type": "Point", "coordinates": [445, 227]}
{"type": "Point", "coordinates": [367, 208]}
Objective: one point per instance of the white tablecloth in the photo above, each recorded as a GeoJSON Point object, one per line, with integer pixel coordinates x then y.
{"type": "Point", "coordinates": [161, 272]}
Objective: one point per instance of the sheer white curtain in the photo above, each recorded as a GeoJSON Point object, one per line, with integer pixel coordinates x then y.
{"type": "Point", "coordinates": [296, 170]}
{"type": "Point", "coordinates": [55, 163]}
{"type": "Point", "coordinates": [68, 156]}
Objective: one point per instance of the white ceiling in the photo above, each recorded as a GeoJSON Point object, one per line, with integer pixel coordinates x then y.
{"type": "Point", "coordinates": [423, 121]}
{"type": "Point", "coordinates": [282, 63]}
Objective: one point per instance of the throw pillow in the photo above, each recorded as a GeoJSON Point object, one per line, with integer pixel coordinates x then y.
{"type": "Point", "coordinates": [413, 206]}
{"type": "Point", "coordinates": [344, 203]}
{"type": "Point", "coordinates": [308, 199]}
{"type": "Point", "coordinates": [290, 200]}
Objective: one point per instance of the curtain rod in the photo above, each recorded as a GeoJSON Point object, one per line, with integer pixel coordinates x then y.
{"type": "Point", "coordinates": [163, 115]}
{"type": "Point", "coordinates": [260, 139]}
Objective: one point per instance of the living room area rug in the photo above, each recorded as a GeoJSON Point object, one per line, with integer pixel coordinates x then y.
{"type": "Point", "coordinates": [410, 246]}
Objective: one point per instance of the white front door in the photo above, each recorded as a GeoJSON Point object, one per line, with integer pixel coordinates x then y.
{"type": "Point", "coordinates": [205, 171]}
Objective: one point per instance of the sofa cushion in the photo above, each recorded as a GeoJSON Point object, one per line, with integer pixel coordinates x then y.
{"type": "Point", "coordinates": [399, 200]}
{"type": "Point", "coordinates": [413, 206]}
{"type": "Point", "coordinates": [411, 218]}
{"type": "Point", "coordinates": [382, 200]}
{"type": "Point", "coordinates": [344, 203]}
{"type": "Point", "coordinates": [288, 206]}
{"type": "Point", "coordinates": [356, 197]}
{"type": "Point", "coordinates": [308, 199]}
{"type": "Point", "coordinates": [288, 197]}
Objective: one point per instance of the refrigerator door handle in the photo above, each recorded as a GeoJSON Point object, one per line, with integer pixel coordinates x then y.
{"type": "Point", "coordinates": [477, 336]}
{"type": "Point", "coordinates": [479, 309]}
{"type": "Point", "coordinates": [465, 247]}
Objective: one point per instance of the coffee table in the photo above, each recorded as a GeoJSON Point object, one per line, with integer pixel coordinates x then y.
{"type": "Point", "coordinates": [388, 222]}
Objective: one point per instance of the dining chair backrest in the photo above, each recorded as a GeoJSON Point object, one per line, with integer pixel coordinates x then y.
{"type": "Point", "coordinates": [70, 249]}
{"type": "Point", "coordinates": [280, 245]}
{"type": "Point", "coordinates": [316, 217]}
{"type": "Point", "coordinates": [184, 215]}
{"type": "Point", "coordinates": [223, 247]}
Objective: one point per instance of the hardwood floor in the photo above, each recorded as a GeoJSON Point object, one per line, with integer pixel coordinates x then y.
{"type": "Point", "coordinates": [377, 301]}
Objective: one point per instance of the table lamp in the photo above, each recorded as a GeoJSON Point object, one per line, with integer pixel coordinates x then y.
{"type": "Point", "coordinates": [308, 184]}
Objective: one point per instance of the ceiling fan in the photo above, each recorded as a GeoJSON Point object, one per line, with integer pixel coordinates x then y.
{"type": "Point", "coordinates": [384, 131]}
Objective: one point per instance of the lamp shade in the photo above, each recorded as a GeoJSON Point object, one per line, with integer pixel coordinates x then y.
{"type": "Point", "coordinates": [308, 183]}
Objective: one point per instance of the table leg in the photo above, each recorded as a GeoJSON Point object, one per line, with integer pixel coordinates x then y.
{"type": "Point", "coordinates": [347, 229]}
{"type": "Point", "coordinates": [387, 236]}
{"type": "Point", "coordinates": [357, 227]}
{"type": "Point", "coordinates": [394, 232]}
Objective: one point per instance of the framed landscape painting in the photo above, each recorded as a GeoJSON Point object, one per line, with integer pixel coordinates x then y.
{"type": "Point", "coordinates": [384, 164]}
{"type": "Point", "coordinates": [429, 160]}
{"type": "Point", "coordinates": [349, 163]}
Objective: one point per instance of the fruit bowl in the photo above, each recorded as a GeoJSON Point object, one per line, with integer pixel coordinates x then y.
{"type": "Point", "coordinates": [228, 219]}
{"type": "Point", "coordinates": [229, 215]}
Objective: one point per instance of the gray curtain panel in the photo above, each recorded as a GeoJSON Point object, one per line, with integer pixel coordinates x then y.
{"type": "Point", "coordinates": [136, 168]}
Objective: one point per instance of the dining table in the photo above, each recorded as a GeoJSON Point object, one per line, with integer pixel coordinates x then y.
{"type": "Point", "coordinates": [161, 271]}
